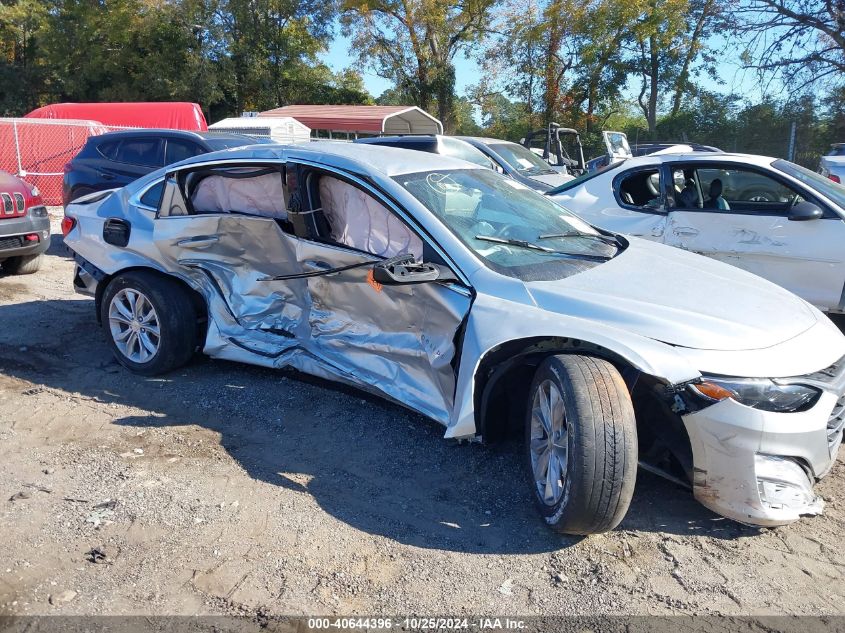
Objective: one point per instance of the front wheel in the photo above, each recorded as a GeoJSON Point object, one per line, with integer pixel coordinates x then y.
{"type": "Point", "coordinates": [151, 322]}
{"type": "Point", "coordinates": [581, 444]}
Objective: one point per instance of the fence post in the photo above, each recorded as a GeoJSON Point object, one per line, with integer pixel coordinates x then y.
{"type": "Point", "coordinates": [17, 148]}
{"type": "Point", "coordinates": [790, 153]}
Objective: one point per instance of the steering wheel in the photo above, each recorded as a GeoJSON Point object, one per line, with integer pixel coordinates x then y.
{"type": "Point", "coordinates": [503, 231]}
{"type": "Point", "coordinates": [442, 183]}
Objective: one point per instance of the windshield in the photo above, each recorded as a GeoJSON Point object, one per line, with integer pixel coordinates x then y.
{"type": "Point", "coordinates": [817, 182]}
{"type": "Point", "coordinates": [522, 159]}
{"type": "Point", "coordinates": [511, 227]}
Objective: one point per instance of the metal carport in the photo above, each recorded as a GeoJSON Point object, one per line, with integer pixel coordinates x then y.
{"type": "Point", "coordinates": [341, 121]}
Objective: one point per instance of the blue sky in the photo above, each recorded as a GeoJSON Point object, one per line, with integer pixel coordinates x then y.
{"type": "Point", "coordinates": [733, 77]}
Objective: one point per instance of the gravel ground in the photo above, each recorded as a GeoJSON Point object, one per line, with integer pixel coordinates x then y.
{"type": "Point", "coordinates": [228, 489]}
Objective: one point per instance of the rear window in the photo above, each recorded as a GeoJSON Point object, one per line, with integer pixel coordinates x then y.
{"type": "Point", "coordinates": [152, 197]}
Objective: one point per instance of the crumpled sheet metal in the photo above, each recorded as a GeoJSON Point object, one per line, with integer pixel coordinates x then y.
{"type": "Point", "coordinates": [395, 340]}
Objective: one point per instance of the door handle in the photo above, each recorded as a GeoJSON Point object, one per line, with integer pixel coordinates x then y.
{"type": "Point", "coordinates": [203, 241]}
{"type": "Point", "coordinates": [106, 176]}
{"type": "Point", "coordinates": [316, 266]}
{"type": "Point", "coordinates": [687, 232]}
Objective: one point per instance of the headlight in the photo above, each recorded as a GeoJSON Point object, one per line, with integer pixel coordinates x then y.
{"type": "Point", "coordinates": [758, 393]}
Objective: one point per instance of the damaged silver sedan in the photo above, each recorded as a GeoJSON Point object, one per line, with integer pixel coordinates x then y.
{"type": "Point", "coordinates": [479, 303]}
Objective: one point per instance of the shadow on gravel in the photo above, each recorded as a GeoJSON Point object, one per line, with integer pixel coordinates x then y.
{"type": "Point", "coordinates": [371, 464]}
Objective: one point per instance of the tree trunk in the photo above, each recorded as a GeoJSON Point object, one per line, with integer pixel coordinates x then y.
{"type": "Point", "coordinates": [654, 82]}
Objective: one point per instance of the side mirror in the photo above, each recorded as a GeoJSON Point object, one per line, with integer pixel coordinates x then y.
{"type": "Point", "coordinates": [405, 270]}
{"type": "Point", "coordinates": [805, 211]}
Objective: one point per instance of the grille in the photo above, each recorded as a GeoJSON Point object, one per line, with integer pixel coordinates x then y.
{"type": "Point", "coordinates": [11, 242]}
{"type": "Point", "coordinates": [8, 206]}
{"type": "Point", "coordinates": [835, 424]}
{"type": "Point", "coordinates": [20, 202]}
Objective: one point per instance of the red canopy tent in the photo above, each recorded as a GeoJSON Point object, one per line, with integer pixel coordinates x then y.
{"type": "Point", "coordinates": [174, 115]}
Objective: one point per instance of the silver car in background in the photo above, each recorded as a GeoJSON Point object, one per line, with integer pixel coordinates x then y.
{"type": "Point", "coordinates": [832, 164]}
{"type": "Point", "coordinates": [481, 304]}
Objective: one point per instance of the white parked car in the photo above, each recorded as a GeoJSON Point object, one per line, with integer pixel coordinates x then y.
{"type": "Point", "coordinates": [478, 302]}
{"type": "Point", "coordinates": [765, 215]}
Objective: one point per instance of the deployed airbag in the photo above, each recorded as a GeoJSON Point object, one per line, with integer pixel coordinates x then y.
{"type": "Point", "coordinates": [261, 194]}
{"type": "Point", "coordinates": [360, 221]}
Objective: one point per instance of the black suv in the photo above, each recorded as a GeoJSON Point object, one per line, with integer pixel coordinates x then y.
{"type": "Point", "coordinates": [115, 159]}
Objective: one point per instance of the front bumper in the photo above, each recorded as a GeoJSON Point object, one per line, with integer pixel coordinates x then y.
{"type": "Point", "coordinates": [759, 467]}
{"type": "Point", "coordinates": [16, 236]}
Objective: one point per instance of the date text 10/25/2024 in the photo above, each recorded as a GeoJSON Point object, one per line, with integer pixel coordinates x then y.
{"type": "Point", "coordinates": [416, 623]}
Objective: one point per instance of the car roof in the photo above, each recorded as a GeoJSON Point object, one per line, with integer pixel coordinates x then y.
{"type": "Point", "coordinates": [362, 157]}
{"type": "Point", "coordinates": [155, 132]}
{"type": "Point", "coordinates": [486, 140]}
{"type": "Point", "coordinates": [652, 159]}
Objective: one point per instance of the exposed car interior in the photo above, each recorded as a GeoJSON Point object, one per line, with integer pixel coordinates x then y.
{"type": "Point", "coordinates": [305, 202]}
{"type": "Point", "coordinates": [641, 189]}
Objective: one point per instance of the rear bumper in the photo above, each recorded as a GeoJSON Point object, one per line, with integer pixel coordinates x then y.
{"type": "Point", "coordinates": [16, 236]}
{"type": "Point", "coordinates": [86, 277]}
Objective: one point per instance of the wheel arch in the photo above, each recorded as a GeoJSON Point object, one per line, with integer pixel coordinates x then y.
{"type": "Point", "coordinates": [503, 379]}
{"type": "Point", "coordinates": [196, 297]}
{"type": "Point", "coordinates": [504, 374]}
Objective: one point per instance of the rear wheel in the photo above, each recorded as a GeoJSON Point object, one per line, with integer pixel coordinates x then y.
{"type": "Point", "coordinates": [581, 444]}
{"type": "Point", "coordinates": [79, 192]}
{"type": "Point", "coordinates": [23, 264]}
{"type": "Point", "coordinates": [151, 322]}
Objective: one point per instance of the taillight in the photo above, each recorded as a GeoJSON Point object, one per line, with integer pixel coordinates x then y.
{"type": "Point", "coordinates": [67, 225]}
{"type": "Point", "coordinates": [834, 178]}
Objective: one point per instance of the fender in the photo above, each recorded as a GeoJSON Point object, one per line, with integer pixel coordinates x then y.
{"type": "Point", "coordinates": [486, 331]}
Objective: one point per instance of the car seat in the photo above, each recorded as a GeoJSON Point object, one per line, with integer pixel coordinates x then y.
{"type": "Point", "coordinates": [688, 198]}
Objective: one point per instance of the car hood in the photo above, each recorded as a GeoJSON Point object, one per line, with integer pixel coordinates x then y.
{"type": "Point", "coordinates": [552, 180]}
{"type": "Point", "coordinates": [679, 298]}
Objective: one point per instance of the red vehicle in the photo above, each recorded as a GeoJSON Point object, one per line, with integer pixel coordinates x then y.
{"type": "Point", "coordinates": [24, 226]}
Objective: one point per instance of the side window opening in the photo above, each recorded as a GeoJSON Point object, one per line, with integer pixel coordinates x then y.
{"type": "Point", "coordinates": [244, 190]}
{"type": "Point", "coordinates": [178, 149]}
{"type": "Point", "coordinates": [108, 149]}
{"type": "Point", "coordinates": [146, 152]}
{"type": "Point", "coordinates": [641, 189]}
{"type": "Point", "coordinates": [729, 189]}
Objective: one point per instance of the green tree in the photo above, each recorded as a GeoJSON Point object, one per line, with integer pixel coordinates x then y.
{"type": "Point", "coordinates": [23, 68]}
{"type": "Point", "coordinates": [414, 43]}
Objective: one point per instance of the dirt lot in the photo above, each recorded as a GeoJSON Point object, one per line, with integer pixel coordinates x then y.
{"type": "Point", "coordinates": [224, 488]}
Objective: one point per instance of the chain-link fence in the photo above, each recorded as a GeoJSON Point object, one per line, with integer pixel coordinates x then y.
{"type": "Point", "coordinates": [36, 150]}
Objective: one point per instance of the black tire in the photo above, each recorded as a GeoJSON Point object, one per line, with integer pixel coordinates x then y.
{"type": "Point", "coordinates": [23, 264]}
{"type": "Point", "coordinates": [601, 445]}
{"type": "Point", "coordinates": [177, 320]}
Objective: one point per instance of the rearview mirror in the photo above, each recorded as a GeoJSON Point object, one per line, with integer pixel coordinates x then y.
{"type": "Point", "coordinates": [805, 211]}
{"type": "Point", "coordinates": [395, 271]}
